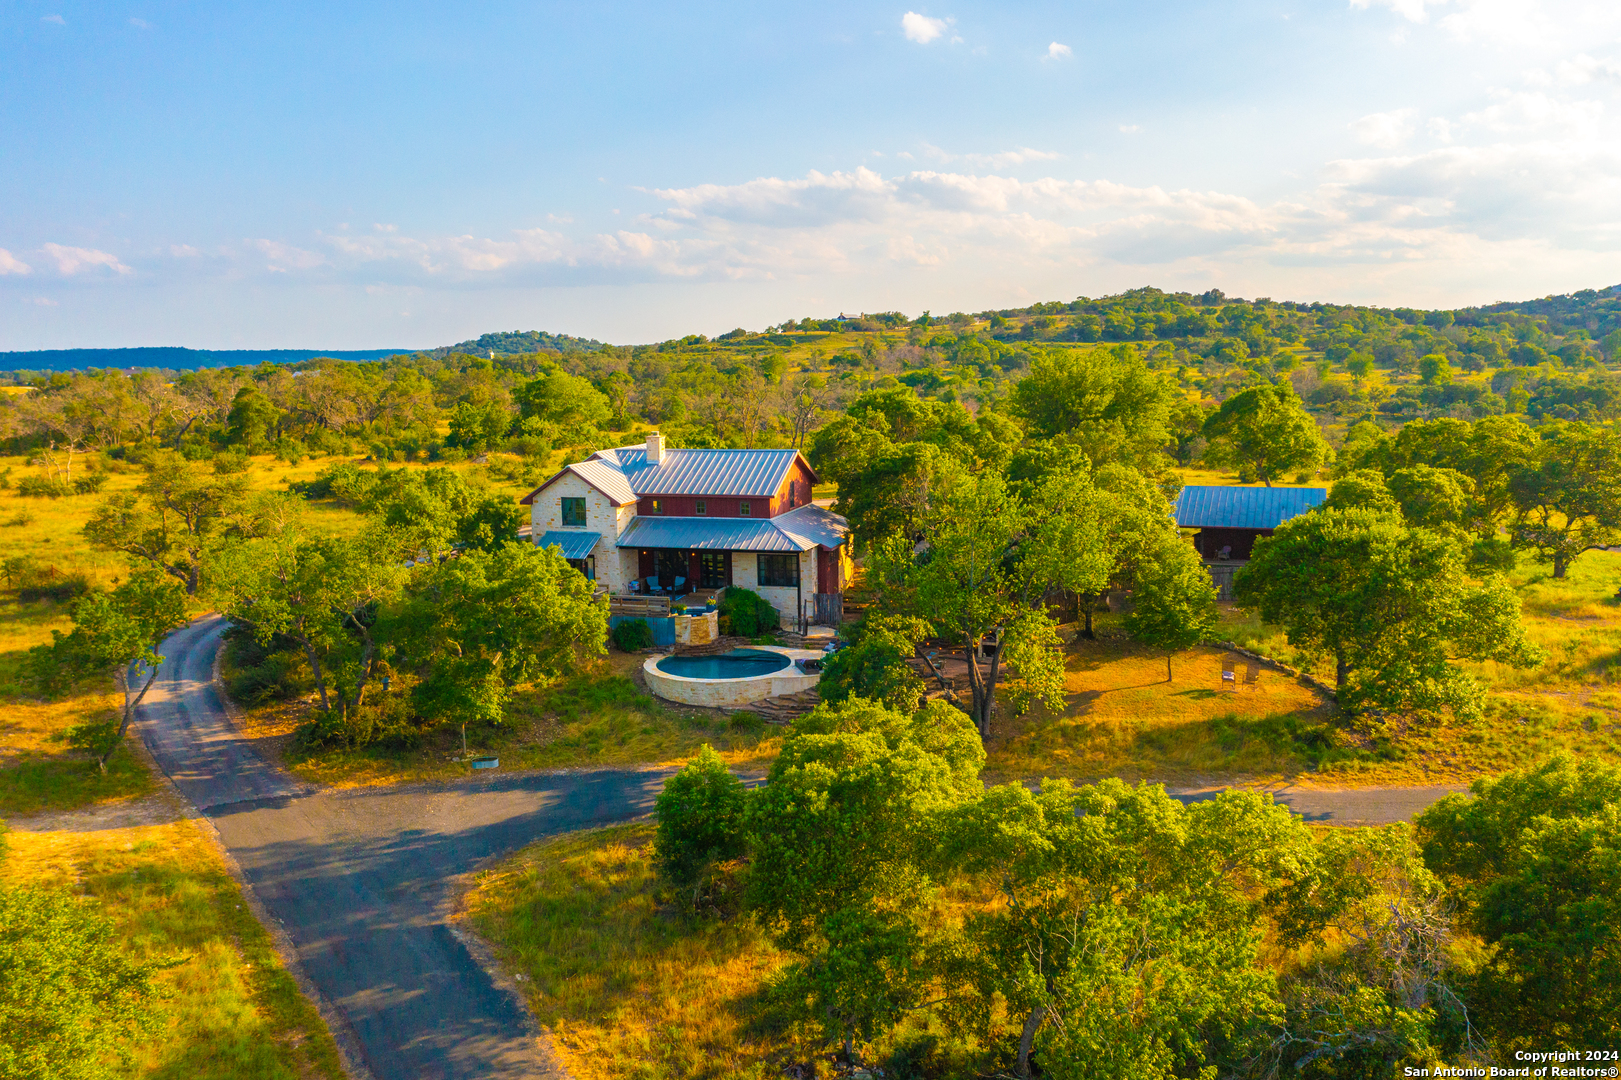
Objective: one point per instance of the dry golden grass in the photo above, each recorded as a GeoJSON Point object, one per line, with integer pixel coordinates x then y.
{"type": "Point", "coordinates": [1122, 718]}
{"type": "Point", "coordinates": [230, 1010]}
{"type": "Point", "coordinates": [627, 987]}
{"type": "Point", "coordinates": [601, 718]}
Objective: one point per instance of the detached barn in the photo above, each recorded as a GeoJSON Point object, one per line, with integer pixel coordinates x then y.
{"type": "Point", "coordinates": [1229, 519]}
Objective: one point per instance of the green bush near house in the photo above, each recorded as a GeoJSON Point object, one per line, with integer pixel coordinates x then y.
{"type": "Point", "coordinates": [633, 635]}
{"type": "Point", "coordinates": [748, 612]}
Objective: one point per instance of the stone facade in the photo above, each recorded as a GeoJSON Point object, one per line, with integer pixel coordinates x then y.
{"type": "Point", "coordinates": [746, 574]}
{"type": "Point", "coordinates": [601, 516]}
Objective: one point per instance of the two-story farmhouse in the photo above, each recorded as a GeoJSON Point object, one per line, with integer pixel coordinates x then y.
{"type": "Point", "coordinates": [684, 520]}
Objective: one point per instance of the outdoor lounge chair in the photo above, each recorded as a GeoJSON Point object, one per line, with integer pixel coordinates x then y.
{"type": "Point", "coordinates": [676, 588]}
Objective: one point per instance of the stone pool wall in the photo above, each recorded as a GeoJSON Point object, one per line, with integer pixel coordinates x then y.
{"type": "Point", "coordinates": [732, 693]}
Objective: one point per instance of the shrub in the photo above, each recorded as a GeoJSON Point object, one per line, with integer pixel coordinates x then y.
{"type": "Point", "coordinates": [291, 450]}
{"type": "Point", "coordinates": [228, 462]}
{"type": "Point", "coordinates": [42, 487]}
{"type": "Point", "coordinates": [877, 670]}
{"type": "Point", "coordinates": [21, 517]}
{"type": "Point", "coordinates": [34, 582]}
{"type": "Point", "coordinates": [700, 814]}
{"type": "Point", "coordinates": [89, 483]}
{"type": "Point", "coordinates": [68, 987]}
{"type": "Point", "coordinates": [633, 635]}
{"type": "Point", "coordinates": [747, 612]}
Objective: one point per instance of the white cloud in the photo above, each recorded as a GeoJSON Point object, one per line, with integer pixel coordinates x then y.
{"type": "Point", "coordinates": [1056, 51]}
{"type": "Point", "coordinates": [40, 301]}
{"type": "Point", "coordinates": [1583, 69]}
{"type": "Point", "coordinates": [284, 257]}
{"type": "Point", "coordinates": [922, 29]}
{"type": "Point", "coordinates": [78, 260]}
{"type": "Point", "coordinates": [1537, 115]}
{"type": "Point", "coordinates": [1131, 129]}
{"type": "Point", "coordinates": [57, 19]}
{"type": "Point", "coordinates": [10, 264]}
{"type": "Point", "coordinates": [1386, 130]}
{"type": "Point", "coordinates": [140, 24]}
{"type": "Point", "coordinates": [1412, 10]}
{"type": "Point", "coordinates": [184, 251]}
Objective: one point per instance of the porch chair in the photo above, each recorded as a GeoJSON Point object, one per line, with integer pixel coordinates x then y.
{"type": "Point", "coordinates": [676, 588]}
{"type": "Point", "coordinates": [1252, 674]}
{"type": "Point", "coordinates": [1229, 675]}
{"type": "Point", "coordinates": [653, 584]}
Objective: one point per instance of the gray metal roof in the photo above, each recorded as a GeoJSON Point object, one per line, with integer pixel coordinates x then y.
{"type": "Point", "coordinates": [702, 472]}
{"type": "Point", "coordinates": [575, 543]}
{"type": "Point", "coordinates": [799, 530]}
{"type": "Point", "coordinates": [603, 475]}
{"type": "Point", "coordinates": [1243, 507]}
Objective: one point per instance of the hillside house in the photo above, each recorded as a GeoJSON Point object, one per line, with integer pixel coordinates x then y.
{"type": "Point", "coordinates": [651, 518]}
{"type": "Point", "coordinates": [1230, 519]}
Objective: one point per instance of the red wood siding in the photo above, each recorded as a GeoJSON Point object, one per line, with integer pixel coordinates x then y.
{"type": "Point", "coordinates": [795, 491]}
{"type": "Point", "coordinates": [687, 506]}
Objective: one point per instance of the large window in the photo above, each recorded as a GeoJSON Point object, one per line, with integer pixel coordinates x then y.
{"type": "Point", "coordinates": [574, 513]}
{"type": "Point", "coordinates": [779, 570]}
{"type": "Point", "coordinates": [714, 570]}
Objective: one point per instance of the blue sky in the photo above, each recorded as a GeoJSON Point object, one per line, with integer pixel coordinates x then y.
{"type": "Point", "coordinates": [406, 175]}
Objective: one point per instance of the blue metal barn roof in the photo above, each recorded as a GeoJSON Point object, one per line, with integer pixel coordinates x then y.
{"type": "Point", "coordinates": [575, 543]}
{"type": "Point", "coordinates": [1243, 507]}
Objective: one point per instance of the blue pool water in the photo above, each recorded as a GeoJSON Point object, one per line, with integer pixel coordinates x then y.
{"type": "Point", "coordinates": [737, 664]}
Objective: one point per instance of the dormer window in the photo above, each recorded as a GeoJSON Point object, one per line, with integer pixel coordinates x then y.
{"type": "Point", "coordinates": [701, 507]}
{"type": "Point", "coordinates": [743, 509]}
{"type": "Point", "coordinates": [658, 506]}
{"type": "Point", "coordinates": [573, 513]}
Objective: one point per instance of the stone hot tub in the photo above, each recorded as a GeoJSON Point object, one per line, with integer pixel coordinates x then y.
{"type": "Point", "coordinates": [732, 679]}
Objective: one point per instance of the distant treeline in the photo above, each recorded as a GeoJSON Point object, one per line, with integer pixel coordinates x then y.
{"type": "Point", "coordinates": [174, 358]}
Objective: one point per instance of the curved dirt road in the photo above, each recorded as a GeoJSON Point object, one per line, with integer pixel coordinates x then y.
{"type": "Point", "coordinates": [357, 878]}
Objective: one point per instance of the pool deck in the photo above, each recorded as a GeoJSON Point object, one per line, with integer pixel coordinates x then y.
{"type": "Point", "coordinates": [733, 693]}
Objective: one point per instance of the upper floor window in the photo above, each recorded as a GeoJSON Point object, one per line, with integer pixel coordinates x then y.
{"type": "Point", "coordinates": [701, 507]}
{"type": "Point", "coordinates": [574, 513]}
{"type": "Point", "coordinates": [658, 506]}
{"type": "Point", "coordinates": [743, 509]}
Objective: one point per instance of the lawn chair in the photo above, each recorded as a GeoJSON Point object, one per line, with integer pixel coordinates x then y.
{"type": "Point", "coordinates": [1252, 674]}
{"type": "Point", "coordinates": [676, 588]}
{"type": "Point", "coordinates": [1229, 675]}
{"type": "Point", "coordinates": [653, 584]}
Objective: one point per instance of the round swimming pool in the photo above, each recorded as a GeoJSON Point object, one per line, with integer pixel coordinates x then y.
{"type": "Point", "coordinates": [737, 664]}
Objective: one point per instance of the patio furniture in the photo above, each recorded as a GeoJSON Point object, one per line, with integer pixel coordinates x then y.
{"type": "Point", "coordinates": [676, 588]}
{"type": "Point", "coordinates": [1229, 676]}
{"type": "Point", "coordinates": [1252, 673]}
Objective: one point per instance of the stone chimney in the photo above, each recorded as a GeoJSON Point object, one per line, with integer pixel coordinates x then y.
{"type": "Point", "coordinates": [655, 448]}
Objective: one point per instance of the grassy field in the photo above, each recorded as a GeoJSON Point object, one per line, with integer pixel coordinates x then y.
{"type": "Point", "coordinates": [630, 988]}
{"type": "Point", "coordinates": [656, 997]}
{"type": "Point", "coordinates": [230, 1010]}
{"type": "Point", "coordinates": [597, 719]}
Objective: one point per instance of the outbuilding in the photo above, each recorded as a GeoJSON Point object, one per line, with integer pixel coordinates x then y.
{"type": "Point", "coordinates": [1229, 520]}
